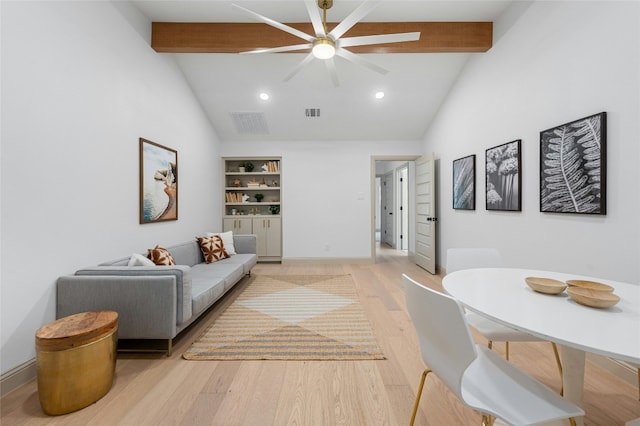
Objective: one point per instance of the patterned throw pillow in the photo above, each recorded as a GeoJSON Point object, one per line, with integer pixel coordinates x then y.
{"type": "Point", "coordinates": [212, 248]}
{"type": "Point", "coordinates": [227, 241]}
{"type": "Point", "coordinates": [160, 256]}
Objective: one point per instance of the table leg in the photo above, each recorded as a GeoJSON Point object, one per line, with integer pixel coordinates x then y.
{"type": "Point", "coordinates": [573, 361]}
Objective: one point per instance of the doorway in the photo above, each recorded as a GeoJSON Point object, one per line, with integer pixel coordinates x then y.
{"type": "Point", "coordinates": [392, 204]}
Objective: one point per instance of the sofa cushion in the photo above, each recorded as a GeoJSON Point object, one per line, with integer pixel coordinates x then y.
{"type": "Point", "coordinates": [161, 256]}
{"type": "Point", "coordinates": [205, 291]}
{"type": "Point", "coordinates": [247, 260]}
{"type": "Point", "coordinates": [186, 253]}
{"type": "Point", "coordinates": [231, 273]}
{"type": "Point", "coordinates": [212, 248]}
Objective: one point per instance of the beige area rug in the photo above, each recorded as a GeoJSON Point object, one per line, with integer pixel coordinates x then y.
{"type": "Point", "coordinates": [291, 317]}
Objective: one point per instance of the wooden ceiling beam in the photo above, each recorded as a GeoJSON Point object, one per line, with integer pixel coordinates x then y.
{"type": "Point", "coordinates": [181, 37]}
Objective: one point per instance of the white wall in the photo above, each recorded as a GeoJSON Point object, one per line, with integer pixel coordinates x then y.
{"type": "Point", "coordinates": [326, 193]}
{"type": "Point", "coordinates": [80, 85]}
{"type": "Point", "coordinates": [552, 62]}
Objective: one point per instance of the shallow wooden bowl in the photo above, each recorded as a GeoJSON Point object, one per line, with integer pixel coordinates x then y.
{"type": "Point", "coordinates": [593, 298]}
{"type": "Point", "coordinates": [545, 285]}
{"type": "Point", "coordinates": [591, 285]}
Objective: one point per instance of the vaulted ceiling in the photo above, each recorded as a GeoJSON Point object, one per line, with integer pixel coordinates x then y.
{"type": "Point", "coordinates": [309, 106]}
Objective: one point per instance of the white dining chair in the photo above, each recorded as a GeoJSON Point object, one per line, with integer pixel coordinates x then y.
{"type": "Point", "coordinates": [468, 258]}
{"type": "Point", "coordinates": [479, 377]}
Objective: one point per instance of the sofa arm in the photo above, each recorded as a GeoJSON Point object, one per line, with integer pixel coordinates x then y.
{"type": "Point", "coordinates": [146, 306]}
{"type": "Point", "coordinates": [245, 243]}
{"type": "Point", "coordinates": [182, 274]}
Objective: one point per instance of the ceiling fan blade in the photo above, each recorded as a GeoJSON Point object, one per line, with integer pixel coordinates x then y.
{"type": "Point", "coordinates": [291, 48]}
{"type": "Point", "coordinates": [333, 72]}
{"type": "Point", "coordinates": [304, 62]}
{"type": "Point", "coordinates": [277, 24]}
{"type": "Point", "coordinates": [378, 39]}
{"type": "Point", "coordinates": [314, 15]}
{"type": "Point", "coordinates": [360, 60]}
{"type": "Point", "coordinates": [353, 18]}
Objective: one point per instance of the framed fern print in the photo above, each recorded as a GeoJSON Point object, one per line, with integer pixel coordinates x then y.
{"type": "Point", "coordinates": [503, 177]}
{"type": "Point", "coordinates": [464, 183]}
{"type": "Point", "coordinates": [573, 166]}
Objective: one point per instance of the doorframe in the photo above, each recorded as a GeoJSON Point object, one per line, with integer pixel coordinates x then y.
{"type": "Point", "coordinates": [372, 190]}
{"type": "Point", "coordinates": [402, 228]}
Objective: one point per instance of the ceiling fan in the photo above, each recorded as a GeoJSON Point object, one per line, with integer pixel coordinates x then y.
{"type": "Point", "coordinates": [325, 44]}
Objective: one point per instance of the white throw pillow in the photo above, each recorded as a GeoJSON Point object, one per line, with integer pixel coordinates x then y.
{"type": "Point", "coordinates": [227, 241]}
{"type": "Point", "coordinates": [140, 260]}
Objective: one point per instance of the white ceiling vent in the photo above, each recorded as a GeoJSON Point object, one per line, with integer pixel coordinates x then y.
{"type": "Point", "coordinates": [312, 112]}
{"type": "Point", "coordinates": [252, 123]}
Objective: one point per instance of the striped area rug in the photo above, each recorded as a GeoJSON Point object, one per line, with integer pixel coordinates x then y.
{"type": "Point", "coordinates": [291, 317]}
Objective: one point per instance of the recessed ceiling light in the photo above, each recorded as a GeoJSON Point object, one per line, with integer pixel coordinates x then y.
{"type": "Point", "coordinates": [264, 96]}
{"type": "Point", "coordinates": [379, 95]}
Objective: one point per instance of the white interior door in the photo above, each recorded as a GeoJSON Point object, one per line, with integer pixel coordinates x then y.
{"type": "Point", "coordinates": [387, 210]}
{"type": "Point", "coordinates": [425, 235]}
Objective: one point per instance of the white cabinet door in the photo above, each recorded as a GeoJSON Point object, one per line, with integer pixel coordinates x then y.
{"type": "Point", "coordinates": [238, 226]}
{"type": "Point", "coordinates": [269, 236]}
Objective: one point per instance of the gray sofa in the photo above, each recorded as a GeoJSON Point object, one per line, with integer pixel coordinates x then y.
{"type": "Point", "coordinates": [156, 302]}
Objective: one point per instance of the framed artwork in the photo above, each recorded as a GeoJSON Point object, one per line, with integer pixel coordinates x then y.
{"type": "Point", "coordinates": [464, 183]}
{"type": "Point", "coordinates": [158, 182]}
{"type": "Point", "coordinates": [503, 177]}
{"type": "Point", "coordinates": [573, 166]}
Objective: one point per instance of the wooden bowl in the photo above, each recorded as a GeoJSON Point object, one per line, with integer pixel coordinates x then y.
{"type": "Point", "coordinates": [591, 285]}
{"type": "Point", "coordinates": [593, 298]}
{"type": "Point", "coordinates": [545, 285]}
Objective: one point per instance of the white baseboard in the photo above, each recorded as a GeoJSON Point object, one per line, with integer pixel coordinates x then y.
{"type": "Point", "coordinates": [326, 260]}
{"type": "Point", "coordinates": [18, 376]}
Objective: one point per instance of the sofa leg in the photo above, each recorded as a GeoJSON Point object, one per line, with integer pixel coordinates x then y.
{"type": "Point", "coordinates": [169, 346]}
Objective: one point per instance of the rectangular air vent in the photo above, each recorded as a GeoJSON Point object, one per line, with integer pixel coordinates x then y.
{"type": "Point", "coordinates": [312, 112]}
{"type": "Point", "coordinates": [250, 123]}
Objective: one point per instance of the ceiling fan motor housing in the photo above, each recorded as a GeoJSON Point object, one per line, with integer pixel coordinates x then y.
{"type": "Point", "coordinates": [325, 4]}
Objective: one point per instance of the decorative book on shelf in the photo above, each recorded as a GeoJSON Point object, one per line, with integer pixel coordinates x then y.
{"type": "Point", "coordinates": [234, 197]}
{"type": "Point", "coordinates": [271, 166]}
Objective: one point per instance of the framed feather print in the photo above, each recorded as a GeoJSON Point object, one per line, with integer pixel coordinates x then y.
{"type": "Point", "coordinates": [158, 182]}
{"type": "Point", "coordinates": [464, 183]}
{"type": "Point", "coordinates": [573, 166]}
{"type": "Point", "coordinates": [503, 177]}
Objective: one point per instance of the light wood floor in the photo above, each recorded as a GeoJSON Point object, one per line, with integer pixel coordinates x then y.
{"type": "Point", "coordinates": [151, 389]}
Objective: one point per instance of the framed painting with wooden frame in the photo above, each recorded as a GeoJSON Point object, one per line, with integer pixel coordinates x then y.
{"type": "Point", "coordinates": [464, 183]}
{"type": "Point", "coordinates": [573, 166]}
{"type": "Point", "coordinates": [158, 182]}
{"type": "Point", "coordinates": [503, 178]}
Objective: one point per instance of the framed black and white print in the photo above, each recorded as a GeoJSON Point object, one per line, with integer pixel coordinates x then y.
{"type": "Point", "coordinates": [573, 166]}
{"type": "Point", "coordinates": [503, 177]}
{"type": "Point", "coordinates": [464, 183]}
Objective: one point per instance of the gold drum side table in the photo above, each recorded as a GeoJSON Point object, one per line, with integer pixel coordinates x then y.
{"type": "Point", "coordinates": [76, 360]}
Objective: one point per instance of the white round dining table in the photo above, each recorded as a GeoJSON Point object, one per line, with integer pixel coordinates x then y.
{"type": "Point", "coordinates": [502, 295]}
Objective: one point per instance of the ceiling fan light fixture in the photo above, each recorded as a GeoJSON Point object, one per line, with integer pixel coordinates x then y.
{"type": "Point", "coordinates": [324, 48]}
